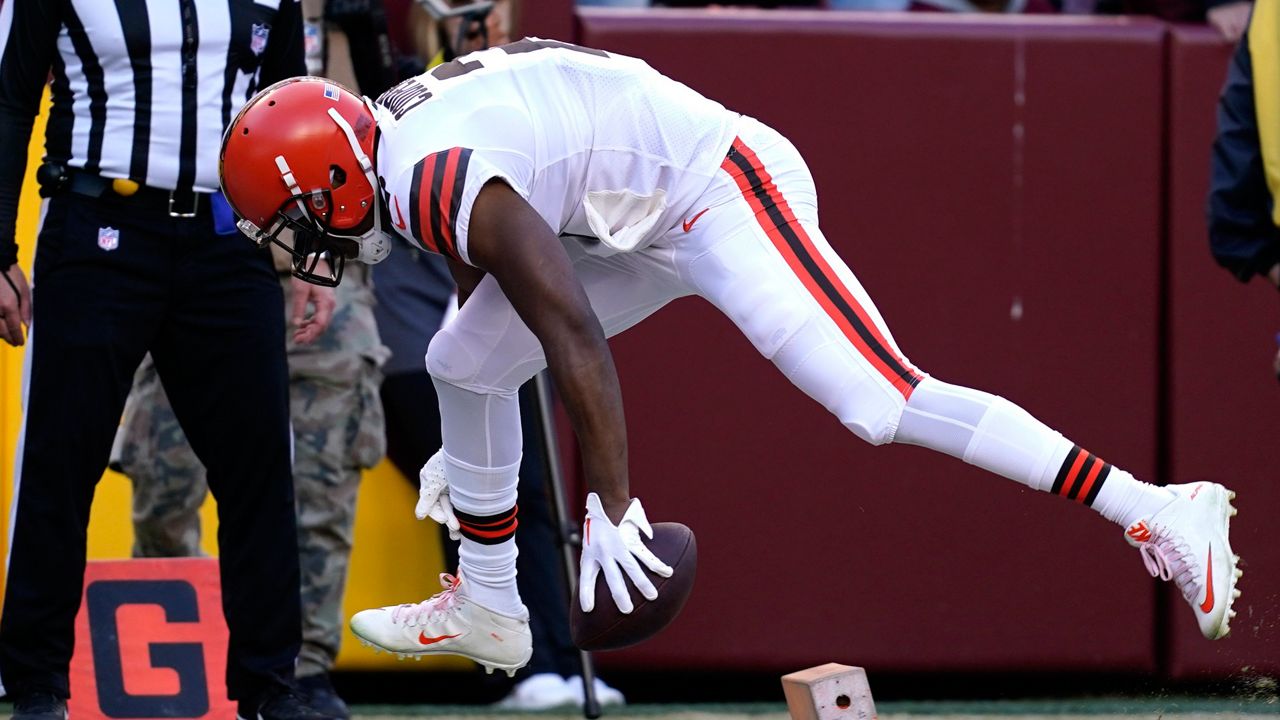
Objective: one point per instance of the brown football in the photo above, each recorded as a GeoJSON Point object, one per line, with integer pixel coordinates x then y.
{"type": "Point", "coordinates": [606, 628]}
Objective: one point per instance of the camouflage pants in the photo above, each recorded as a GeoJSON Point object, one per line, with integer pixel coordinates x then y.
{"type": "Point", "coordinates": [338, 430]}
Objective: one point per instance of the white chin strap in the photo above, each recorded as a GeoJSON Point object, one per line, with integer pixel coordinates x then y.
{"type": "Point", "coordinates": [374, 246]}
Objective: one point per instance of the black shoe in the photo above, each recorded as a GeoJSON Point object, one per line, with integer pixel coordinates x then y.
{"type": "Point", "coordinates": [284, 703]}
{"type": "Point", "coordinates": [322, 697]}
{"type": "Point", "coordinates": [39, 706]}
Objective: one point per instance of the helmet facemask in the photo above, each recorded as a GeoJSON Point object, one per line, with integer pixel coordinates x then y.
{"type": "Point", "coordinates": [307, 236]}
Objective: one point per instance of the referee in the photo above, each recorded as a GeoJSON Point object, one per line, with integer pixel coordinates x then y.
{"type": "Point", "coordinates": [138, 252]}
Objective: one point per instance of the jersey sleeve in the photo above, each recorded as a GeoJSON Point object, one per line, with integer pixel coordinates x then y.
{"type": "Point", "coordinates": [442, 189]}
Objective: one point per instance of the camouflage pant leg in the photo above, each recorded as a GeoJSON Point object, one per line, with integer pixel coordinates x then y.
{"type": "Point", "coordinates": [338, 430]}
{"type": "Point", "coordinates": [168, 481]}
{"type": "Point", "coordinates": [325, 486]}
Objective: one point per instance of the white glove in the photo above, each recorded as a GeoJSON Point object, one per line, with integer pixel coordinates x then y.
{"type": "Point", "coordinates": [606, 546]}
{"type": "Point", "coordinates": [433, 496]}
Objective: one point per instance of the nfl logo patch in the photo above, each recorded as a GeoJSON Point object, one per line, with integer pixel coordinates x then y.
{"type": "Point", "coordinates": [258, 38]}
{"type": "Point", "coordinates": [108, 238]}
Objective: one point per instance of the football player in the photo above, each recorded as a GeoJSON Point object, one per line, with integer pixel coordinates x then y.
{"type": "Point", "coordinates": [575, 192]}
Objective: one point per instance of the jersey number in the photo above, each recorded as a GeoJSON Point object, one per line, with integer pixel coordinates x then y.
{"type": "Point", "coordinates": [456, 68]}
{"type": "Point", "coordinates": [409, 94]}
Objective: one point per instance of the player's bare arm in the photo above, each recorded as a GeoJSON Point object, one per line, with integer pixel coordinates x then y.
{"type": "Point", "coordinates": [465, 278]}
{"type": "Point", "coordinates": [509, 240]}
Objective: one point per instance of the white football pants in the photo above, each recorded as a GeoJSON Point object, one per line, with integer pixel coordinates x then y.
{"type": "Point", "coordinates": [757, 254]}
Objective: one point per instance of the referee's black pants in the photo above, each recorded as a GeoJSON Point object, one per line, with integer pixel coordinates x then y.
{"type": "Point", "coordinates": [209, 309]}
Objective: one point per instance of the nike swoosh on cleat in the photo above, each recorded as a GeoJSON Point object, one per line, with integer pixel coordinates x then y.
{"type": "Point", "coordinates": [1207, 605]}
{"type": "Point", "coordinates": [688, 224]}
{"type": "Point", "coordinates": [423, 639]}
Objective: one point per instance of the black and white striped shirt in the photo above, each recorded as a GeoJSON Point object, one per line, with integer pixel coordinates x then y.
{"type": "Point", "coordinates": [141, 89]}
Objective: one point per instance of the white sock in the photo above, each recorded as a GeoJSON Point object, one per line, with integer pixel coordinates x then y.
{"type": "Point", "coordinates": [1125, 500]}
{"type": "Point", "coordinates": [489, 574]}
{"type": "Point", "coordinates": [996, 435]}
{"type": "Point", "coordinates": [484, 500]}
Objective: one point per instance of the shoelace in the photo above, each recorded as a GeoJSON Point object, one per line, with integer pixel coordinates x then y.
{"type": "Point", "coordinates": [1168, 558]}
{"type": "Point", "coordinates": [434, 606]}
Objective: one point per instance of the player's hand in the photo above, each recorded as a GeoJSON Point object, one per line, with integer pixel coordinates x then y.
{"type": "Point", "coordinates": [309, 327]}
{"type": "Point", "coordinates": [15, 305]}
{"type": "Point", "coordinates": [433, 496]}
{"type": "Point", "coordinates": [616, 549]}
{"type": "Point", "coordinates": [1232, 19]}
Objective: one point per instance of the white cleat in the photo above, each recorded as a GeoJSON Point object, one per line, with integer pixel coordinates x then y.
{"type": "Point", "coordinates": [1186, 542]}
{"type": "Point", "coordinates": [448, 623]}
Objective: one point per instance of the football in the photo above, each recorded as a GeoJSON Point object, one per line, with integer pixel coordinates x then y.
{"type": "Point", "coordinates": [606, 628]}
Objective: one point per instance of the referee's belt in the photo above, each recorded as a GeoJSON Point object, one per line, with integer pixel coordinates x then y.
{"type": "Point", "coordinates": [176, 203]}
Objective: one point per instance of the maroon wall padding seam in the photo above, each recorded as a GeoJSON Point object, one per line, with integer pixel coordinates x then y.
{"type": "Point", "coordinates": [1223, 400]}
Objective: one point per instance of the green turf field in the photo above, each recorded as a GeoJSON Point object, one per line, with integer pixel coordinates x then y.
{"type": "Point", "coordinates": [1184, 708]}
{"type": "Point", "coordinates": [1103, 708]}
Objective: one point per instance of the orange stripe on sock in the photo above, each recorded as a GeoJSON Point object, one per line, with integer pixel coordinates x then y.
{"type": "Point", "coordinates": [1093, 476]}
{"type": "Point", "coordinates": [1073, 474]}
{"type": "Point", "coordinates": [471, 530]}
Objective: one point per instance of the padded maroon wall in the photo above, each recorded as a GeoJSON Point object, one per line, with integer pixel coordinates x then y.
{"type": "Point", "coordinates": [1224, 403]}
{"type": "Point", "coordinates": [995, 183]}
{"type": "Point", "coordinates": [547, 19]}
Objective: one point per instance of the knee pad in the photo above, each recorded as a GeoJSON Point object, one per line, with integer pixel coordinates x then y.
{"type": "Point", "coordinates": [827, 371]}
{"type": "Point", "coordinates": [476, 360]}
{"type": "Point", "coordinates": [449, 360]}
{"type": "Point", "coordinates": [875, 422]}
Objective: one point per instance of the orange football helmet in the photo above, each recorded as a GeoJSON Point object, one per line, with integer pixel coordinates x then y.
{"type": "Point", "coordinates": [296, 167]}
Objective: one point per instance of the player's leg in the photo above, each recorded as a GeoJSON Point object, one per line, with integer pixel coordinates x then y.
{"type": "Point", "coordinates": [168, 481]}
{"type": "Point", "coordinates": [221, 357]}
{"type": "Point", "coordinates": [478, 462]}
{"type": "Point", "coordinates": [95, 313]}
{"type": "Point", "coordinates": [478, 362]}
{"type": "Point", "coordinates": [779, 280]}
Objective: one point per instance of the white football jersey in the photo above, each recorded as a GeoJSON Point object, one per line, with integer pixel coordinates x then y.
{"type": "Point", "coordinates": [601, 145]}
